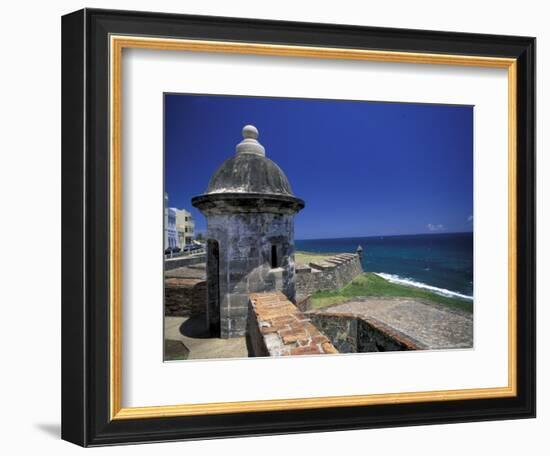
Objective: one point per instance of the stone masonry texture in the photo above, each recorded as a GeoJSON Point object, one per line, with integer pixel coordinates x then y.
{"type": "Point", "coordinates": [330, 274]}
{"type": "Point", "coordinates": [277, 328]}
{"type": "Point", "coordinates": [246, 243]}
{"type": "Point", "coordinates": [432, 325]}
{"type": "Point", "coordinates": [352, 333]}
{"type": "Point", "coordinates": [184, 297]}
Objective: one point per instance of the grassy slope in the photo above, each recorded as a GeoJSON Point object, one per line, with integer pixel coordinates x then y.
{"type": "Point", "coordinates": [370, 284]}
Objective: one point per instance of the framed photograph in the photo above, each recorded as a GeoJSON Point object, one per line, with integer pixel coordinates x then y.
{"type": "Point", "coordinates": [275, 227]}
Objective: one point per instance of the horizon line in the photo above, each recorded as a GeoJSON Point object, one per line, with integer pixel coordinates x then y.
{"type": "Point", "coordinates": [385, 235]}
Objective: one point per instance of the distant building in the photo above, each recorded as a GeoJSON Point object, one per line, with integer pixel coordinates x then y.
{"type": "Point", "coordinates": [185, 226]}
{"type": "Point", "coordinates": [170, 231]}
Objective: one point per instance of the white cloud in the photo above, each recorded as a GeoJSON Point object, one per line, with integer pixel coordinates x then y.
{"type": "Point", "coordinates": [435, 227]}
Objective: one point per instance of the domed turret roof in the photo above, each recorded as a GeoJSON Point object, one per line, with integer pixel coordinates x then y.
{"type": "Point", "coordinates": [249, 171]}
{"type": "Point", "coordinates": [249, 174]}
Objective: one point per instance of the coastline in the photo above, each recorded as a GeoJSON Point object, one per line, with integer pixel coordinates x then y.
{"type": "Point", "coordinates": [394, 278]}
{"type": "Point", "coordinates": [443, 261]}
{"type": "Point", "coordinates": [381, 284]}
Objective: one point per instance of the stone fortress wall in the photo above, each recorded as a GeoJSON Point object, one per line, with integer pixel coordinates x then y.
{"type": "Point", "coordinates": [276, 327]}
{"type": "Point", "coordinates": [184, 261]}
{"type": "Point", "coordinates": [185, 291]}
{"type": "Point", "coordinates": [329, 274]}
{"type": "Point", "coordinates": [351, 333]}
{"type": "Point", "coordinates": [184, 297]}
{"type": "Point", "coordinates": [185, 287]}
{"type": "Point", "coordinates": [248, 284]}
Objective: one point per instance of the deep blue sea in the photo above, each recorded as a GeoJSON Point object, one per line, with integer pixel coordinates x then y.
{"type": "Point", "coordinates": [442, 263]}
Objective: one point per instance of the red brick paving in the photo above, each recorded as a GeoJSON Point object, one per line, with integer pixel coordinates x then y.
{"type": "Point", "coordinates": [296, 335]}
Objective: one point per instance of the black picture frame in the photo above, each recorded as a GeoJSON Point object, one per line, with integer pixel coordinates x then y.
{"type": "Point", "coordinates": [85, 225]}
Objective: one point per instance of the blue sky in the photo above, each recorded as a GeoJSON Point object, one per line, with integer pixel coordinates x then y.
{"type": "Point", "coordinates": [362, 168]}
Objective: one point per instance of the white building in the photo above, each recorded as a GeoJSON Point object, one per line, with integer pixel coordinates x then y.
{"type": "Point", "coordinates": [170, 231]}
{"type": "Point", "coordinates": [185, 227]}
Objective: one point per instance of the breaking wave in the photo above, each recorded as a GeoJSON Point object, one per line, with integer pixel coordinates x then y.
{"type": "Point", "coordinates": [393, 278]}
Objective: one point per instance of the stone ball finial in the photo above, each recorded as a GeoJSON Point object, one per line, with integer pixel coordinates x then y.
{"type": "Point", "coordinates": [250, 144]}
{"type": "Point", "coordinates": [250, 131]}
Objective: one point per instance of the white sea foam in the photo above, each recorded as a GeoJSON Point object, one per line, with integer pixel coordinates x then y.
{"type": "Point", "coordinates": [393, 278]}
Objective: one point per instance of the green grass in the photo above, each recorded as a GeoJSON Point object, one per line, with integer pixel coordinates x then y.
{"type": "Point", "coordinates": [370, 284]}
{"type": "Point", "coordinates": [307, 257]}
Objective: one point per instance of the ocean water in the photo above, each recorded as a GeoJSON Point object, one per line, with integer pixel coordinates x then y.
{"type": "Point", "coordinates": [442, 263]}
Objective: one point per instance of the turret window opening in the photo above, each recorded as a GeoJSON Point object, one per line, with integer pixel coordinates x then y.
{"type": "Point", "coordinates": [274, 257]}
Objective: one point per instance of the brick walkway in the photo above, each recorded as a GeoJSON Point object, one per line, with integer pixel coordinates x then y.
{"type": "Point", "coordinates": [431, 324]}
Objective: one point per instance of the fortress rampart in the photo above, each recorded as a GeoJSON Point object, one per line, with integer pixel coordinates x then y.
{"type": "Point", "coordinates": [184, 297]}
{"type": "Point", "coordinates": [329, 274]}
{"type": "Point", "coordinates": [351, 333]}
{"type": "Point", "coordinates": [184, 261]}
{"type": "Point", "coordinates": [277, 328]}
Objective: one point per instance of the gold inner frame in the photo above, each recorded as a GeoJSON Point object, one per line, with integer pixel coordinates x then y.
{"type": "Point", "coordinates": [117, 44]}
